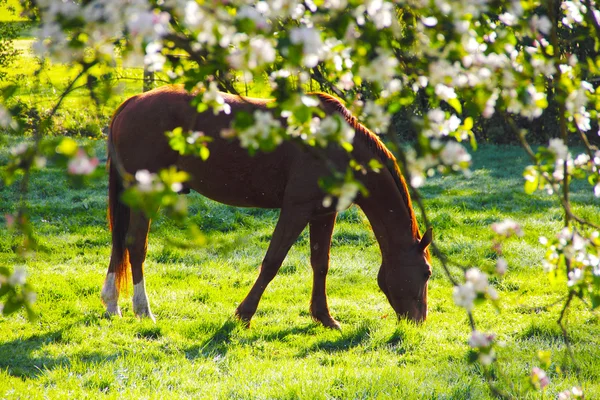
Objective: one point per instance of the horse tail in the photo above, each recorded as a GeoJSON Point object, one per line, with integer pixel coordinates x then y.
{"type": "Point", "coordinates": [118, 212]}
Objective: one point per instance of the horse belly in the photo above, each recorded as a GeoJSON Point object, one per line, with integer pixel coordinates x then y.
{"type": "Point", "coordinates": [237, 179]}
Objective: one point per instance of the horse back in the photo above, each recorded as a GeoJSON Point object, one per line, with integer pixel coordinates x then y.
{"type": "Point", "coordinates": [230, 175]}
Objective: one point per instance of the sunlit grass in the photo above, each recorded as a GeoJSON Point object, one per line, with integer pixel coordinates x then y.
{"type": "Point", "coordinates": [196, 349]}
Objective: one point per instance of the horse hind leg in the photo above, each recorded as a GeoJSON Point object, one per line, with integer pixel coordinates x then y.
{"type": "Point", "coordinates": [321, 230]}
{"type": "Point", "coordinates": [110, 293]}
{"type": "Point", "coordinates": [139, 226]}
{"type": "Point", "coordinates": [289, 226]}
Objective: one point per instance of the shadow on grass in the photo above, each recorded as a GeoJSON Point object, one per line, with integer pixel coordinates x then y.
{"type": "Point", "coordinates": [26, 358]}
{"type": "Point", "coordinates": [344, 343]}
{"type": "Point", "coordinates": [216, 345]}
{"type": "Point", "coordinates": [17, 357]}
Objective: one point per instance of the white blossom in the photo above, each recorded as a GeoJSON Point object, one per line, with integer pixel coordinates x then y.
{"type": "Point", "coordinates": [19, 149]}
{"type": "Point", "coordinates": [573, 11]}
{"type": "Point", "coordinates": [214, 99]}
{"type": "Point", "coordinates": [312, 45]}
{"type": "Point", "coordinates": [381, 12]}
{"type": "Point", "coordinates": [6, 119]}
{"type": "Point", "coordinates": [480, 340]}
{"type": "Point", "coordinates": [347, 193]}
{"type": "Point", "coordinates": [501, 266]}
{"type": "Point", "coordinates": [508, 19]}
{"type": "Point", "coordinates": [478, 279]}
{"type": "Point", "coordinates": [438, 126]}
{"type": "Point", "coordinates": [81, 164]}
{"type": "Point", "coordinates": [381, 69]}
{"type": "Point", "coordinates": [542, 24]}
{"type": "Point", "coordinates": [507, 228]}
{"type": "Point", "coordinates": [148, 182]}
{"type": "Point", "coordinates": [18, 277]}
{"type": "Point", "coordinates": [265, 127]}
{"type": "Point", "coordinates": [558, 148]}
{"type": "Point", "coordinates": [260, 51]}
{"type": "Point", "coordinates": [153, 59]}
{"type": "Point", "coordinates": [575, 277]}
{"type": "Point", "coordinates": [464, 295]}
{"type": "Point", "coordinates": [375, 117]}
{"type": "Point", "coordinates": [454, 154]}
{"type": "Point", "coordinates": [254, 15]}
{"type": "Point", "coordinates": [331, 127]}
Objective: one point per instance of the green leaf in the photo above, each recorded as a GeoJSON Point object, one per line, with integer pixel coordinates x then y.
{"type": "Point", "coordinates": [454, 103]}
{"type": "Point", "coordinates": [201, 107]}
{"type": "Point", "coordinates": [67, 146]}
{"type": "Point", "coordinates": [531, 185]}
{"type": "Point", "coordinates": [204, 153]}
{"type": "Point", "coordinates": [468, 124]}
{"type": "Point", "coordinates": [12, 305]}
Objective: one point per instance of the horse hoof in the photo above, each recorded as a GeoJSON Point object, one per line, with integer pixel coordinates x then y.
{"type": "Point", "coordinates": [145, 314]}
{"type": "Point", "coordinates": [110, 313]}
{"type": "Point", "coordinates": [332, 324]}
{"type": "Point", "coordinates": [244, 318]}
{"type": "Point", "coordinates": [328, 322]}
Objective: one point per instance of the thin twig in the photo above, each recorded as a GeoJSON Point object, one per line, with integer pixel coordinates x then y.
{"type": "Point", "coordinates": [565, 334]}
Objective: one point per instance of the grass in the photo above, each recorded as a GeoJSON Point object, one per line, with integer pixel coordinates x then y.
{"type": "Point", "coordinates": [197, 350]}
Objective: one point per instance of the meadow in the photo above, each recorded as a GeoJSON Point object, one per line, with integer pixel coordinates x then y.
{"type": "Point", "coordinates": [196, 349]}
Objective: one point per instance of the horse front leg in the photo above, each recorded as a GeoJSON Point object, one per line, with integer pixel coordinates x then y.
{"type": "Point", "coordinates": [321, 229]}
{"type": "Point", "coordinates": [289, 226]}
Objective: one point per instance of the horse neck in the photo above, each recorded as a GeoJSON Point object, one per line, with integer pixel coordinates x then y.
{"type": "Point", "coordinates": [388, 214]}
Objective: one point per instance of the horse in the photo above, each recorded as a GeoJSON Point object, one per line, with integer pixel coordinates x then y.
{"type": "Point", "coordinates": [286, 178]}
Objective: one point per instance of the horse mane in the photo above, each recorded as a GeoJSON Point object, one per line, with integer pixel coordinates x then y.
{"type": "Point", "coordinates": [375, 145]}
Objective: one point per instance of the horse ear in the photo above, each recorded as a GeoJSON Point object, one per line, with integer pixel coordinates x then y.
{"type": "Point", "coordinates": [426, 239]}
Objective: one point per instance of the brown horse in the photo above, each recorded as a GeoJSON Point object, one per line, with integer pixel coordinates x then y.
{"type": "Point", "coordinates": [286, 178]}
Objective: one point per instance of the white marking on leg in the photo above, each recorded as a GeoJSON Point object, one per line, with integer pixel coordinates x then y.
{"type": "Point", "coordinates": [110, 296]}
{"type": "Point", "coordinates": [141, 306]}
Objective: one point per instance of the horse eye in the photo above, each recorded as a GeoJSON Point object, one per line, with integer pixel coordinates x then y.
{"type": "Point", "coordinates": [427, 275]}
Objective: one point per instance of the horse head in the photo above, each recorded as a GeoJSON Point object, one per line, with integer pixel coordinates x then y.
{"type": "Point", "coordinates": [404, 279]}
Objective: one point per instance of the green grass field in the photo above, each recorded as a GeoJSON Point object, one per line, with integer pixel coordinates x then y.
{"type": "Point", "coordinates": [197, 350]}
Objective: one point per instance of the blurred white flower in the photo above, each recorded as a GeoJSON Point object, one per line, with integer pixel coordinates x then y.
{"type": "Point", "coordinates": [478, 279]}
{"type": "Point", "coordinates": [81, 164]}
{"type": "Point", "coordinates": [501, 266]}
{"type": "Point", "coordinates": [214, 99]}
{"type": "Point", "coordinates": [575, 277]}
{"type": "Point", "coordinates": [254, 15]}
{"type": "Point", "coordinates": [148, 182]}
{"type": "Point", "coordinates": [18, 277]}
{"type": "Point", "coordinates": [438, 126]}
{"type": "Point", "coordinates": [539, 377]}
{"type": "Point", "coordinates": [265, 127]}
{"type": "Point", "coordinates": [5, 118]}
{"type": "Point", "coordinates": [382, 12]}
{"type": "Point", "coordinates": [507, 228]}
{"type": "Point", "coordinates": [312, 46]}
{"type": "Point", "coordinates": [481, 340]}
{"type": "Point", "coordinates": [454, 154]}
{"type": "Point", "coordinates": [381, 69]}
{"type": "Point", "coordinates": [376, 117]}
{"type": "Point", "coordinates": [508, 19]}
{"type": "Point", "coordinates": [573, 11]}
{"type": "Point", "coordinates": [346, 195]}
{"type": "Point", "coordinates": [154, 59]}
{"type": "Point", "coordinates": [19, 149]}
{"type": "Point", "coordinates": [558, 148]}
{"type": "Point", "coordinates": [464, 295]}
{"type": "Point", "coordinates": [541, 24]}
